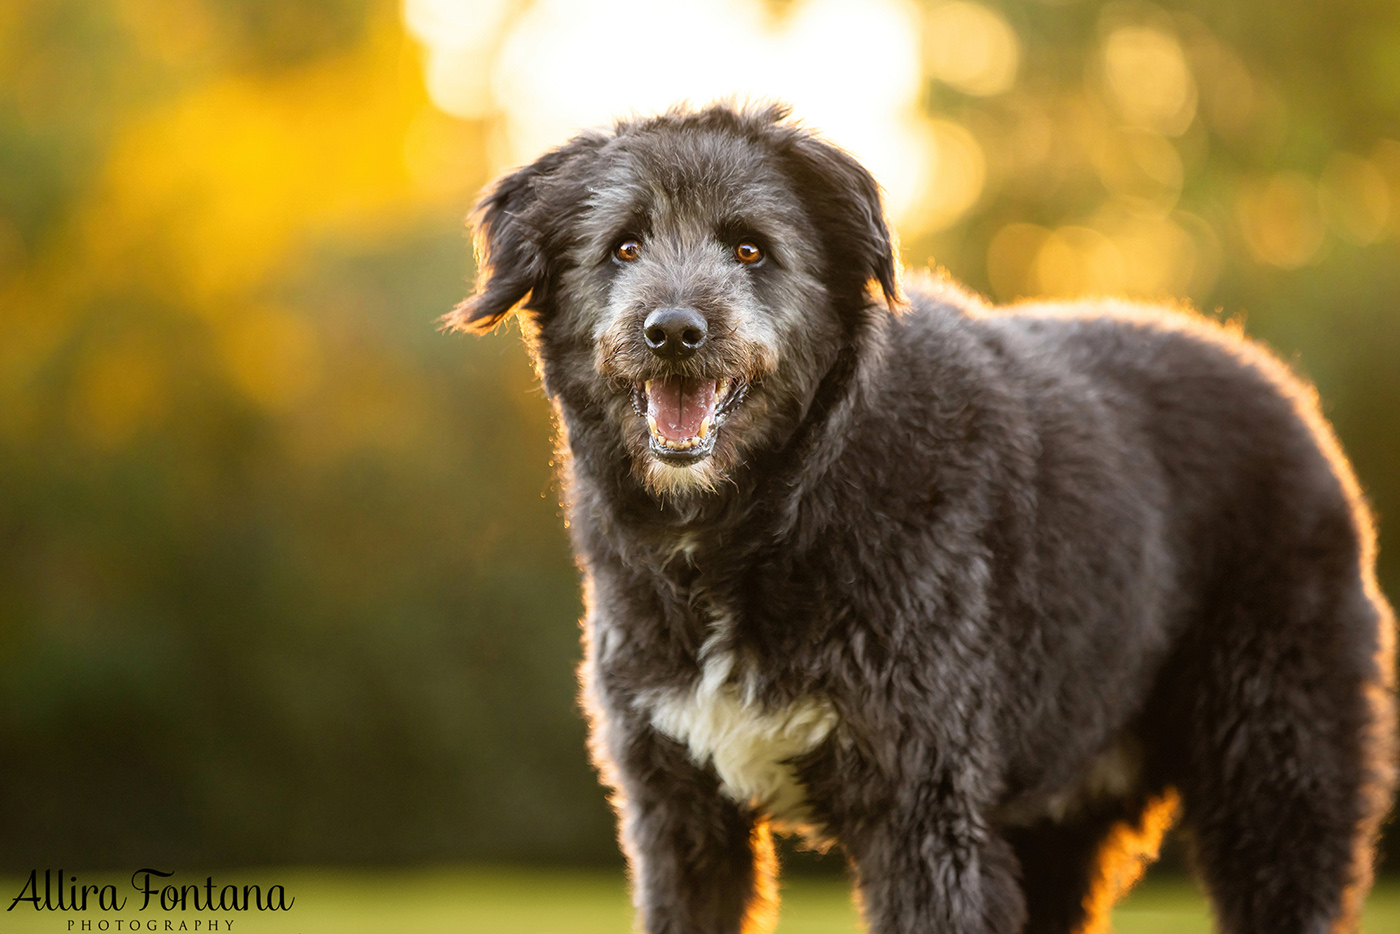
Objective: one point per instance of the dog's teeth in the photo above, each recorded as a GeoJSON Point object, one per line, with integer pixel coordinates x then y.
{"type": "Point", "coordinates": [705, 426]}
{"type": "Point", "coordinates": [721, 388]}
{"type": "Point", "coordinates": [651, 423]}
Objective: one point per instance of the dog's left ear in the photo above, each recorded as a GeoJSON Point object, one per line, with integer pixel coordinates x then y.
{"type": "Point", "coordinates": [516, 222]}
{"type": "Point", "coordinates": [846, 201]}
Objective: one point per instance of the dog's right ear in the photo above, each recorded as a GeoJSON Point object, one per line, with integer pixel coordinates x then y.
{"type": "Point", "coordinates": [516, 224]}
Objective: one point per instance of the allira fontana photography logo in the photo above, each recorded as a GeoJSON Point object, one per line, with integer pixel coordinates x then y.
{"type": "Point", "coordinates": [151, 891]}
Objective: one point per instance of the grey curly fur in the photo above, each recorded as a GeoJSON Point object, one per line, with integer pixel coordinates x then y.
{"type": "Point", "coordinates": [983, 596]}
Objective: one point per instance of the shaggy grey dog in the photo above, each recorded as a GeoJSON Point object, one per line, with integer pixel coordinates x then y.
{"type": "Point", "coordinates": [985, 597]}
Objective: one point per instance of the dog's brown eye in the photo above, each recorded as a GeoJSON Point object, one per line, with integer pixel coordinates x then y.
{"type": "Point", "coordinates": [748, 253]}
{"type": "Point", "coordinates": [628, 251]}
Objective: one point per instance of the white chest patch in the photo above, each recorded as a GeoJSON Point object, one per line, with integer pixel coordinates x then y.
{"type": "Point", "coordinates": [750, 745]}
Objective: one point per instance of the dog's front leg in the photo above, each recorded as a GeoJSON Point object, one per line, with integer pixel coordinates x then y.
{"type": "Point", "coordinates": [931, 864]}
{"type": "Point", "coordinates": [700, 863]}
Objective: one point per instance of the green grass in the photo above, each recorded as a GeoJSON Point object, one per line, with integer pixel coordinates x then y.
{"type": "Point", "coordinates": [499, 901]}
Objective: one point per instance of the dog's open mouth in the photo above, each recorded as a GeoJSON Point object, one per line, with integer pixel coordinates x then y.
{"type": "Point", "coordinates": [684, 414]}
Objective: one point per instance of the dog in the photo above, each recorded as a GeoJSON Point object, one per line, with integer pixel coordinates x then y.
{"type": "Point", "coordinates": [985, 597]}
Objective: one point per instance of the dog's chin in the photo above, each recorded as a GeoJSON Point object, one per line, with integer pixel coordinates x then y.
{"type": "Point", "coordinates": [681, 482]}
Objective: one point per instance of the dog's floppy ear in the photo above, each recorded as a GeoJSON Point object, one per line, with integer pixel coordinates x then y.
{"type": "Point", "coordinates": [845, 200]}
{"type": "Point", "coordinates": [515, 224]}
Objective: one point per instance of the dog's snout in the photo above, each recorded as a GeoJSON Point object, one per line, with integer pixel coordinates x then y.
{"type": "Point", "coordinates": [675, 333]}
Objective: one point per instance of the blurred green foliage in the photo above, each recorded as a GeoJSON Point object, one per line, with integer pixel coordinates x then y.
{"type": "Point", "coordinates": [282, 570]}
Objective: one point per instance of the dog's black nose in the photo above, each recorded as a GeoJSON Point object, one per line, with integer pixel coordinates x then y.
{"type": "Point", "coordinates": [675, 333]}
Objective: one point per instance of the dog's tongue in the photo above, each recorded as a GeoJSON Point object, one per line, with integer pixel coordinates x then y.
{"type": "Point", "coordinates": [680, 405]}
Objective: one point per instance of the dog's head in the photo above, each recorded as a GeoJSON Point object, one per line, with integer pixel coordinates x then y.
{"type": "Point", "coordinates": [688, 282]}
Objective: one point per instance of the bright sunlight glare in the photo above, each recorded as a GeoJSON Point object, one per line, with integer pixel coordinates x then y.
{"type": "Point", "coordinates": [850, 68]}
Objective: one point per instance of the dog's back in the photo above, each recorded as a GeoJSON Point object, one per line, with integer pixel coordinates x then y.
{"type": "Point", "coordinates": [1196, 527]}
